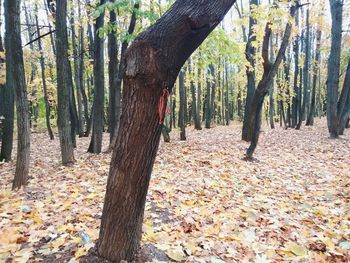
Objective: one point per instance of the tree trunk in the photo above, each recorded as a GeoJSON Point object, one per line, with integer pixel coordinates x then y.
{"type": "Point", "coordinates": [270, 72]}
{"type": "Point", "coordinates": [118, 80]}
{"type": "Point", "coordinates": [63, 85]}
{"type": "Point", "coordinates": [99, 92]}
{"type": "Point", "coordinates": [194, 108]}
{"type": "Point", "coordinates": [77, 79]}
{"type": "Point", "coordinates": [112, 74]}
{"type": "Point", "coordinates": [306, 84]}
{"type": "Point", "coordinates": [310, 118]}
{"type": "Point", "coordinates": [295, 100]}
{"type": "Point", "coordinates": [334, 67]}
{"type": "Point", "coordinates": [153, 62]}
{"type": "Point", "coordinates": [43, 77]}
{"type": "Point", "coordinates": [14, 59]}
{"type": "Point", "coordinates": [7, 104]}
{"type": "Point", "coordinates": [182, 113]}
{"type": "Point", "coordinates": [344, 102]}
{"type": "Point", "coordinates": [250, 54]}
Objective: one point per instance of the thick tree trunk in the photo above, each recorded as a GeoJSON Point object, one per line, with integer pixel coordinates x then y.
{"type": "Point", "coordinates": [63, 85]}
{"type": "Point", "coordinates": [7, 104]}
{"type": "Point", "coordinates": [250, 54]}
{"type": "Point", "coordinates": [99, 92]}
{"type": "Point", "coordinates": [14, 59]}
{"type": "Point", "coordinates": [334, 67]}
{"type": "Point", "coordinates": [344, 102]}
{"type": "Point", "coordinates": [43, 77]}
{"type": "Point", "coordinates": [310, 118]}
{"type": "Point", "coordinates": [153, 62]}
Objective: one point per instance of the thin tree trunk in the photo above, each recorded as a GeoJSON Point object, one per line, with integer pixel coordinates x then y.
{"type": "Point", "coordinates": [99, 92]}
{"type": "Point", "coordinates": [310, 118]}
{"type": "Point", "coordinates": [270, 72]}
{"type": "Point", "coordinates": [306, 84]}
{"type": "Point", "coordinates": [119, 78]}
{"type": "Point", "coordinates": [63, 85]}
{"type": "Point", "coordinates": [77, 79]}
{"type": "Point", "coordinates": [295, 101]}
{"type": "Point", "coordinates": [250, 54]}
{"type": "Point", "coordinates": [43, 77]}
{"type": "Point", "coordinates": [182, 113]}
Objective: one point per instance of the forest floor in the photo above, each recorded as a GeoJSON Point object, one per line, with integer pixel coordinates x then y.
{"type": "Point", "coordinates": [205, 203]}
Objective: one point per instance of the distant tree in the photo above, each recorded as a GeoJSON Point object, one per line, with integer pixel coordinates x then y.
{"type": "Point", "coordinates": [270, 71]}
{"type": "Point", "coordinates": [99, 88]}
{"type": "Point", "coordinates": [63, 84]}
{"type": "Point", "coordinates": [15, 72]}
{"type": "Point", "coordinates": [250, 53]}
{"type": "Point", "coordinates": [334, 67]}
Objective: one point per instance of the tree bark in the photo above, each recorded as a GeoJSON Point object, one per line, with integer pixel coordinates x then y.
{"type": "Point", "coordinates": [152, 63]}
{"type": "Point", "coordinates": [14, 59]}
{"type": "Point", "coordinates": [63, 85]}
{"type": "Point", "coordinates": [8, 108]}
{"type": "Point", "coordinates": [99, 92]}
{"type": "Point", "coordinates": [250, 54]}
{"type": "Point", "coordinates": [310, 118]}
{"type": "Point", "coordinates": [182, 113]}
{"type": "Point", "coordinates": [334, 68]}
{"type": "Point", "coordinates": [344, 102]}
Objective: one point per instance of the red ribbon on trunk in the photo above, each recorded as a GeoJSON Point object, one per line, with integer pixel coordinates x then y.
{"type": "Point", "coordinates": [161, 104]}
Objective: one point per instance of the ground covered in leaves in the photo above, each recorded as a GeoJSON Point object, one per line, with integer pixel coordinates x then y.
{"type": "Point", "coordinates": [205, 203]}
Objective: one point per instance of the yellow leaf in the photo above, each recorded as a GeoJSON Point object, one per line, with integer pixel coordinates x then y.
{"type": "Point", "coordinates": [80, 252]}
{"type": "Point", "coordinates": [176, 254]}
{"type": "Point", "coordinates": [296, 249]}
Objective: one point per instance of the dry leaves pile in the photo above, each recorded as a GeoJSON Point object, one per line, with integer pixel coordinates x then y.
{"type": "Point", "coordinates": [205, 203]}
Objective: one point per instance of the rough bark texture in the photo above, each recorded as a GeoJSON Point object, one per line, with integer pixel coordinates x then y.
{"type": "Point", "coordinates": [334, 67]}
{"type": "Point", "coordinates": [63, 88]}
{"type": "Point", "coordinates": [14, 58]}
{"type": "Point", "coordinates": [296, 72]}
{"type": "Point", "coordinates": [153, 62]}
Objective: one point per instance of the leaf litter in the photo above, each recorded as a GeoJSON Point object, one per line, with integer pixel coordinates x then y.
{"type": "Point", "coordinates": [205, 202]}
